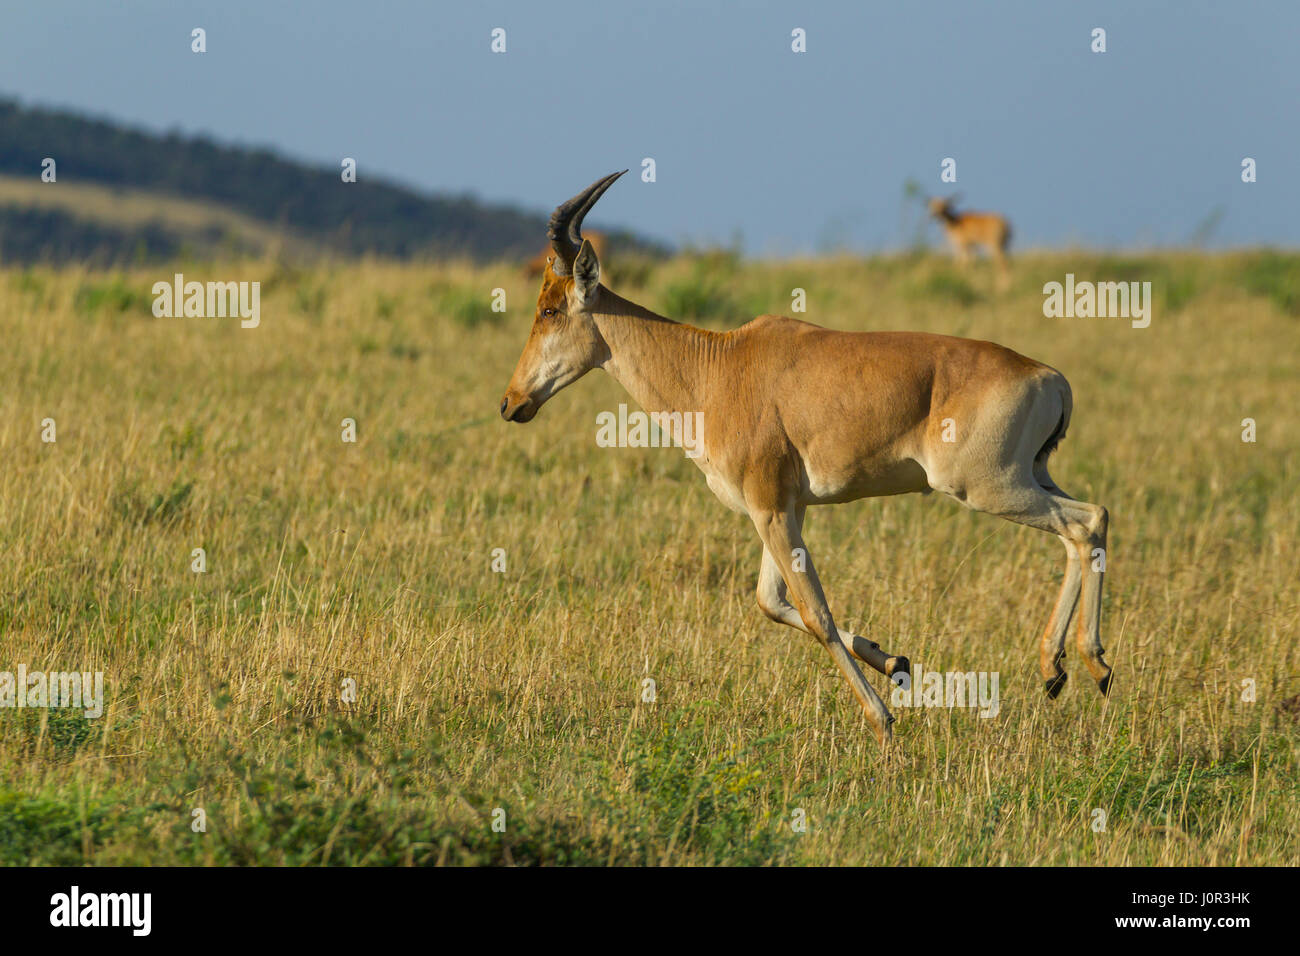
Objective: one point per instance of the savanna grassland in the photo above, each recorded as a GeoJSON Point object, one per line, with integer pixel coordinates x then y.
{"type": "Point", "coordinates": [476, 690]}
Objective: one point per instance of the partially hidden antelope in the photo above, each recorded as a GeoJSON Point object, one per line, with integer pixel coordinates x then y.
{"type": "Point", "coordinates": [974, 230]}
{"type": "Point", "coordinates": [795, 415]}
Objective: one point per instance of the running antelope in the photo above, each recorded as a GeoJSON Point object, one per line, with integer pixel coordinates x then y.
{"type": "Point", "coordinates": [972, 230]}
{"type": "Point", "coordinates": [796, 415]}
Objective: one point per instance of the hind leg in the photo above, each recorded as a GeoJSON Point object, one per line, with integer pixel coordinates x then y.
{"type": "Point", "coordinates": [1088, 563]}
{"type": "Point", "coordinates": [1082, 526]}
{"type": "Point", "coordinates": [1091, 545]}
{"type": "Point", "coordinates": [1051, 646]}
{"type": "Point", "coordinates": [1003, 275]}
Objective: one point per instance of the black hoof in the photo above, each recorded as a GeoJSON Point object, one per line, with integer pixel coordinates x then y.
{"type": "Point", "coordinates": [1055, 685]}
{"type": "Point", "coordinates": [901, 666]}
{"type": "Point", "coordinates": [1104, 684]}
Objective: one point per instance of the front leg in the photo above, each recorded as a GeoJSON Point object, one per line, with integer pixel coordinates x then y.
{"type": "Point", "coordinates": [960, 251]}
{"type": "Point", "coordinates": [781, 536]}
{"type": "Point", "coordinates": [771, 598]}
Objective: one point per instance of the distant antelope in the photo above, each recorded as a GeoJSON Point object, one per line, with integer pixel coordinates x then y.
{"type": "Point", "coordinates": [796, 415]}
{"type": "Point", "coordinates": [538, 263]}
{"type": "Point", "coordinates": [971, 230]}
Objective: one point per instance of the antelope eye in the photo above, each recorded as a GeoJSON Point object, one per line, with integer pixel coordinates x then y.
{"type": "Point", "coordinates": [548, 312]}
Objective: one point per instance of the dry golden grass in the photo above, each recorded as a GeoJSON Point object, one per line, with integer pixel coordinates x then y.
{"type": "Point", "coordinates": [522, 690]}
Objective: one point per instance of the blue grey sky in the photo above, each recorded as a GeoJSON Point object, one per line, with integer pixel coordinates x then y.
{"type": "Point", "coordinates": [789, 153]}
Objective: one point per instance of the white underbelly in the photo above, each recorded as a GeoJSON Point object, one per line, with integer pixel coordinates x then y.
{"type": "Point", "coordinates": [896, 479]}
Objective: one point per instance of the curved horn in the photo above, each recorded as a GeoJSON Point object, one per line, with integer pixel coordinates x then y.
{"type": "Point", "coordinates": [565, 231]}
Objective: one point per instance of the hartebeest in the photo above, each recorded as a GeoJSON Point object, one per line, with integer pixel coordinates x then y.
{"type": "Point", "coordinates": [974, 230]}
{"type": "Point", "coordinates": [796, 415]}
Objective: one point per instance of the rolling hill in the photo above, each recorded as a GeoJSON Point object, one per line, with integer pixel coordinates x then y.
{"type": "Point", "coordinates": [127, 195]}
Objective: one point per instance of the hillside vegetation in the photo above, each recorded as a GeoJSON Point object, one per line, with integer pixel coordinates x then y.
{"type": "Point", "coordinates": [249, 201]}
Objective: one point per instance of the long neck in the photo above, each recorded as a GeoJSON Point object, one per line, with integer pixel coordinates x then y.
{"type": "Point", "coordinates": [663, 364]}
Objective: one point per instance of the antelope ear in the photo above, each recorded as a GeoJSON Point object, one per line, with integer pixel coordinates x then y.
{"type": "Point", "coordinates": [586, 272]}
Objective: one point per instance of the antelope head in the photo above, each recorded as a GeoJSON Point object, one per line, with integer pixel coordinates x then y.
{"type": "Point", "coordinates": [942, 208]}
{"type": "Point", "coordinates": [564, 344]}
